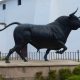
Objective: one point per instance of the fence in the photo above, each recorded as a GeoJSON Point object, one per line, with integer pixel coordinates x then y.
{"type": "Point", "coordinates": [51, 56]}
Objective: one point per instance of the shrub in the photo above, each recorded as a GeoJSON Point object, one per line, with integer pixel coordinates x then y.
{"type": "Point", "coordinates": [76, 70]}
{"type": "Point", "coordinates": [52, 75]}
{"type": "Point", "coordinates": [64, 73]}
{"type": "Point", "coordinates": [1, 78]}
{"type": "Point", "coordinates": [74, 77]}
{"type": "Point", "coordinates": [39, 76]}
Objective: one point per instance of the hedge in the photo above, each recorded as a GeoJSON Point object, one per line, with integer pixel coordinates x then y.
{"type": "Point", "coordinates": [64, 73]}
{"type": "Point", "coordinates": [52, 75]}
{"type": "Point", "coordinates": [76, 70]}
{"type": "Point", "coordinates": [74, 77]}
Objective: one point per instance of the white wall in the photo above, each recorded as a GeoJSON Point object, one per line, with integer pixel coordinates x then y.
{"type": "Point", "coordinates": [23, 13]}
{"type": "Point", "coordinates": [36, 12]}
{"type": "Point", "coordinates": [31, 11]}
{"type": "Point", "coordinates": [65, 7]}
{"type": "Point", "coordinates": [42, 11]}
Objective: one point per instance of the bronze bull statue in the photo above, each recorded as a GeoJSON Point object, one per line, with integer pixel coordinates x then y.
{"type": "Point", "coordinates": [52, 36]}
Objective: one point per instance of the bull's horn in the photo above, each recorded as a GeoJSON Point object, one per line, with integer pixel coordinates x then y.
{"type": "Point", "coordinates": [74, 12]}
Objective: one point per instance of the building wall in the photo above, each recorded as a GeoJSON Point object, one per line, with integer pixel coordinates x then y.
{"type": "Point", "coordinates": [36, 12]}
{"type": "Point", "coordinates": [21, 13]}
{"type": "Point", "coordinates": [31, 11]}
{"type": "Point", "coordinates": [42, 11]}
{"type": "Point", "coordinates": [65, 7]}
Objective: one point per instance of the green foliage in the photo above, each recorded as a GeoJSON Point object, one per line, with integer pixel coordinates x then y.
{"type": "Point", "coordinates": [39, 76]}
{"type": "Point", "coordinates": [64, 73]}
{"type": "Point", "coordinates": [74, 77]}
{"type": "Point", "coordinates": [1, 78]}
{"type": "Point", "coordinates": [76, 70]}
{"type": "Point", "coordinates": [52, 75]}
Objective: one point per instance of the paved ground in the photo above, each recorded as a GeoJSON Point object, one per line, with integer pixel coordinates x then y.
{"type": "Point", "coordinates": [39, 63]}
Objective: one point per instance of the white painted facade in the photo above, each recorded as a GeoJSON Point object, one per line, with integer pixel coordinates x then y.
{"type": "Point", "coordinates": [30, 11]}
{"type": "Point", "coordinates": [34, 12]}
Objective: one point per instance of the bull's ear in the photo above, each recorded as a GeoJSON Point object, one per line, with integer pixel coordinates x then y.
{"type": "Point", "coordinates": [72, 14]}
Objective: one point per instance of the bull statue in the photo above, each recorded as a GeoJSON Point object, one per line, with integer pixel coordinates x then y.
{"type": "Point", "coordinates": [52, 36]}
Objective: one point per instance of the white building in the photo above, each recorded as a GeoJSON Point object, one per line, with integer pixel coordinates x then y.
{"type": "Point", "coordinates": [31, 11]}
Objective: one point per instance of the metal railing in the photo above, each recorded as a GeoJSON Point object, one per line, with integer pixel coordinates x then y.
{"type": "Point", "coordinates": [75, 56]}
{"type": "Point", "coordinates": [54, 56]}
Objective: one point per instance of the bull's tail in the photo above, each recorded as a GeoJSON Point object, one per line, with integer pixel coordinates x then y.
{"type": "Point", "coordinates": [10, 25]}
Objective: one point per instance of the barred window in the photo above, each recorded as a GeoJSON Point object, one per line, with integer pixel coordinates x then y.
{"type": "Point", "coordinates": [4, 6]}
{"type": "Point", "coordinates": [19, 2]}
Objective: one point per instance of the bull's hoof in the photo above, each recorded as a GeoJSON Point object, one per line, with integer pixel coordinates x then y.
{"type": "Point", "coordinates": [25, 60]}
{"type": "Point", "coordinates": [7, 61]}
{"type": "Point", "coordinates": [46, 59]}
{"type": "Point", "coordinates": [59, 52]}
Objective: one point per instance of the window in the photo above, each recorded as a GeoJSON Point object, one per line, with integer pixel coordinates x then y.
{"type": "Point", "coordinates": [4, 6]}
{"type": "Point", "coordinates": [19, 2]}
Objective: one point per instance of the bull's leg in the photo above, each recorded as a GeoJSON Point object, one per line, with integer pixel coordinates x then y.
{"type": "Point", "coordinates": [10, 52]}
{"type": "Point", "coordinates": [62, 46]}
{"type": "Point", "coordinates": [62, 51]}
{"type": "Point", "coordinates": [23, 58]}
{"type": "Point", "coordinates": [45, 56]}
{"type": "Point", "coordinates": [17, 48]}
{"type": "Point", "coordinates": [20, 47]}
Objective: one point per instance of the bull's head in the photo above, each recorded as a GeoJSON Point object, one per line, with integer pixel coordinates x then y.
{"type": "Point", "coordinates": [74, 20]}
